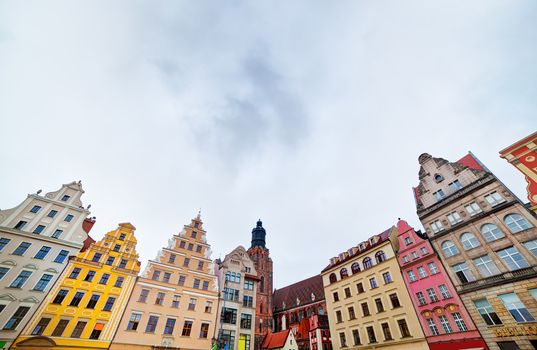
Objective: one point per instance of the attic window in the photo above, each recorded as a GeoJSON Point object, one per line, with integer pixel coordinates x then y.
{"type": "Point", "coordinates": [438, 178]}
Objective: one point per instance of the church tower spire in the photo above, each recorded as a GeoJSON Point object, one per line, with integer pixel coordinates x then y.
{"type": "Point", "coordinates": [258, 235]}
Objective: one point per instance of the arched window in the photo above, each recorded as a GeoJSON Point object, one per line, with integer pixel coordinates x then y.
{"type": "Point", "coordinates": [321, 310]}
{"type": "Point", "coordinates": [449, 249]}
{"type": "Point", "coordinates": [343, 273]}
{"type": "Point", "coordinates": [262, 284]}
{"type": "Point", "coordinates": [516, 222]}
{"type": "Point", "coordinates": [367, 263]}
{"type": "Point", "coordinates": [228, 276]}
{"type": "Point", "coordinates": [355, 267]}
{"type": "Point", "coordinates": [491, 232]}
{"type": "Point", "coordinates": [333, 278]}
{"type": "Point", "coordinates": [380, 256]}
{"type": "Point", "coordinates": [233, 277]}
{"type": "Point", "coordinates": [469, 241]}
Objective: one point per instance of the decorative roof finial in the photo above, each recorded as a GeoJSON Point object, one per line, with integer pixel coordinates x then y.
{"type": "Point", "coordinates": [199, 214]}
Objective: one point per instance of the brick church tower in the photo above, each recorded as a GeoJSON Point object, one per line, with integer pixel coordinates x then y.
{"type": "Point", "coordinates": [259, 254]}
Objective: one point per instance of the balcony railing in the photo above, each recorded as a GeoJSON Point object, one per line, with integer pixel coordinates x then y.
{"type": "Point", "coordinates": [499, 279]}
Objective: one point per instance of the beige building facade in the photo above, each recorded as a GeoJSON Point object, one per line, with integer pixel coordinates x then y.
{"type": "Point", "coordinates": [487, 241]}
{"type": "Point", "coordinates": [36, 239]}
{"type": "Point", "coordinates": [367, 300]}
{"type": "Point", "coordinates": [174, 301]}
{"type": "Point", "coordinates": [237, 278]}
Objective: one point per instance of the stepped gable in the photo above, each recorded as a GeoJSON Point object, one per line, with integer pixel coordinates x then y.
{"type": "Point", "coordinates": [287, 297]}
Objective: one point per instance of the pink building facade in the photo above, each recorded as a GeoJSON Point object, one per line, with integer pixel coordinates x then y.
{"type": "Point", "coordinates": [442, 315]}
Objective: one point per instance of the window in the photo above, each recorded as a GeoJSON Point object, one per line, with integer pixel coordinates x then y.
{"type": "Point", "coordinates": [122, 237]}
{"type": "Point", "coordinates": [39, 229]}
{"type": "Point", "coordinates": [445, 324]}
{"type": "Point", "coordinates": [21, 279]}
{"type": "Point", "coordinates": [439, 195]}
{"type": "Point", "coordinates": [469, 241]}
{"type": "Point", "coordinates": [412, 276]}
{"type": "Point", "coordinates": [403, 327]}
{"type": "Point", "coordinates": [122, 264]}
{"type": "Point", "coordinates": [248, 285]}
{"type": "Point", "coordinates": [432, 327]}
{"type": "Point", "coordinates": [57, 234]}
{"type": "Point", "coordinates": [494, 199]}
{"type": "Point", "coordinates": [342, 340]}
{"type": "Point", "coordinates": [117, 247]}
{"type": "Point", "coordinates": [421, 272]}
{"type": "Point", "coordinates": [175, 301]}
{"type": "Point", "coordinates": [187, 327]}
{"type": "Point", "coordinates": [109, 304]}
{"type": "Point", "coordinates": [395, 300]}
{"type": "Point", "coordinates": [17, 317]}
{"type": "Point", "coordinates": [360, 287]}
{"type": "Point", "coordinates": [156, 275]}
{"type": "Point", "coordinates": [371, 334]}
{"type": "Point", "coordinates": [79, 328]}
{"type": "Point", "coordinates": [76, 299]}
{"type": "Point", "coordinates": [373, 283]}
{"type": "Point", "coordinates": [473, 209]}
{"type": "Point", "coordinates": [355, 268]}
{"type": "Point", "coordinates": [193, 235]}
{"type": "Point", "coordinates": [65, 198]}
{"type": "Point", "coordinates": [3, 272]}
{"type": "Point", "coordinates": [93, 301]}
{"type": "Point", "coordinates": [192, 304]}
{"type": "Point", "coordinates": [444, 291]}
{"type": "Point", "coordinates": [190, 246]}
{"type": "Point", "coordinates": [367, 263]}
{"type": "Point", "coordinates": [405, 259]}
{"type": "Point", "coordinates": [89, 276]}
{"type": "Point", "coordinates": [166, 277]}
{"type": "Point", "coordinates": [110, 260]}
{"type": "Point", "coordinates": [459, 321]}
{"type": "Point", "coordinates": [68, 218]}
{"type": "Point", "coordinates": [352, 315]}
{"type": "Point", "coordinates": [408, 241]}
{"type": "Point", "coordinates": [347, 292]}
{"type": "Point", "coordinates": [386, 331]}
{"type": "Point", "coordinates": [491, 232]}
{"type": "Point", "coordinates": [356, 337]}
{"type": "Point", "coordinates": [463, 273]}
{"type": "Point", "coordinates": [204, 333]}
{"type": "Point", "coordinates": [247, 301]}
{"type": "Point", "coordinates": [21, 249]}
{"type": "Point", "coordinates": [151, 324]}
{"type": "Point", "coordinates": [35, 209]}
{"type": "Point", "coordinates": [343, 273]}
{"type": "Point", "coordinates": [485, 266]}
{"type": "Point", "coordinates": [231, 294]}
{"type": "Point", "coordinates": [43, 282]}
{"type": "Point", "coordinates": [119, 282]}
{"type": "Point", "coordinates": [144, 293]}
{"type": "Point", "coordinates": [196, 283]}
{"type": "Point", "coordinates": [182, 280]}
{"type": "Point", "coordinates": [60, 296]}
{"type": "Point", "coordinates": [199, 248]}
{"type": "Point", "coordinates": [41, 325]}
{"type": "Point", "coordinates": [42, 253]}
{"type": "Point", "coordinates": [332, 278]}
{"type": "Point", "coordinates": [339, 317]}
{"type": "Point", "coordinates": [96, 257]}
{"type": "Point", "coordinates": [513, 259]}
{"type": "Point", "coordinates": [62, 255]}
{"type": "Point", "coordinates": [414, 255]}
{"type": "Point", "coordinates": [421, 298]}
{"type": "Point", "coordinates": [170, 324]}
{"type": "Point", "coordinates": [516, 223]}
{"type": "Point", "coordinates": [516, 308]}
{"type": "Point", "coordinates": [336, 296]}
{"type": "Point", "coordinates": [74, 274]}
{"type": "Point", "coordinates": [378, 303]}
{"type": "Point", "coordinates": [432, 268]}
{"type": "Point", "coordinates": [436, 226]}
{"type": "Point", "coordinates": [60, 327]}
{"type": "Point", "coordinates": [455, 185]}
{"type": "Point", "coordinates": [97, 329]}
{"type": "Point", "coordinates": [387, 277]}
{"type": "Point", "coordinates": [160, 298]}
{"type": "Point", "coordinates": [454, 218]}
{"type": "Point", "coordinates": [380, 256]}
{"type": "Point", "coordinates": [20, 225]}
{"type": "Point", "coordinates": [246, 321]}
{"type": "Point", "coordinates": [182, 244]}
{"type": "Point", "coordinates": [208, 307]}
{"type": "Point", "coordinates": [449, 249]}
{"type": "Point", "coordinates": [508, 345]}
{"type": "Point", "coordinates": [487, 312]}
{"type": "Point", "coordinates": [365, 309]}
{"type": "Point", "coordinates": [532, 246]}
{"type": "Point", "coordinates": [134, 321]}
{"type": "Point", "coordinates": [424, 251]}
{"type": "Point", "coordinates": [432, 295]}
{"type": "Point", "coordinates": [3, 243]}
{"type": "Point", "coordinates": [171, 258]}
{"type": "Point", "coordinates": [186, 262]}
{"type": "Point", "coordinates": [52, 213]}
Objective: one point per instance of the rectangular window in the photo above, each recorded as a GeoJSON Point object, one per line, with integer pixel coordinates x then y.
{"type": "Point", "coordinates": [160, 298]}
{"type": "Point", "coordinates": [387, 277]}
{"type": "Point", "coordinates": [371, 334]}
{"type": "Point", "coordinates": [20, 225]}
{"type": "Point", "coordinates": [167, 277]}
{"type": "Point", "coordinates": [414, 255]}
{"type": "Point", "coordinates": [110, 261]}
{"type": "Point", "coordinates": [93, 301]}
{"type": "Point", "coordinates": [68, 218]}
{"type": "Point", "coordinates": [186, 262]}
{"type": "Point", "coordinates": [336, 296]}
{"type": "Point", "coordinates": [459, 322]}
{"type": "Point", "coordinates": [62, 255]}
{"type": "Point", "coordinates": [403, 328]}
{"type": "Point", "coordinates": [196, 283]}
{"type": "Point", "coordinates": [89, 276]}
{"type": "Point", "coordinates": [60, 296]}
{"type": "Point", "coordinates": [248, 285]}
{"type": "Point", "coordinates": [508, 345]}
{"type": "Point", "coordinates": [531, 246]}
{"type": "Point", "coordinates": [42, 253]}
{"type": "Point", "coordinates": [151, 324]}
{"type": "Point", "coordinates": [408, 241]}
{"type": "Point", "coordinates": [39, 229]}
{"type": "Point", "coordinates": [200, 265]}
{"type": "Point", "coordinates": [104, 278]}
{"type": "Point", "coordinates": [65, 198]}
{"type": "Point", "coordinates": [463, 273]}
{"type": "Point", "coordinates": [199, 248]}
{"type": "Point", "coordinates": [209, 307]}
{"type": "Point", "coordinates": [192, 304]}
{"type": "Point", "coordinates": [60, 327]}
{"type": "Point", "coordinates": [182, 244]}
{"type": "Point", "coordinates": [445, 324]}
{"type": "Point", "coordinates": [122, 237]}
{"type": "Point", "coordinates": [182, 280]}
{"type": "Point", "coordinates": [494, 199]}
{"type": "Point", "coordinates": [175, 301]}
{"type": "Point", "coordinates": [513, 259]}
{"type": "Point", "coordinates": [424, 251]}
{"type": "Point", "coordinates": [231, 294]}
{"type": "Point", "coordinates": [156, 275]}
{"type": "Point", "coordinates": [79, 328]}
{"type": "Point", "coordinates": [96, 257]}
{"type": "Point", "coordinates": [52, 213]}
{"type": "Point", "coordinates": [96, 333]}
{"type": "Point", "coordinates": [395, 301]}
{"type": "Point", "coordinates": [454, 218]}
{"type": "Point", "coordinates": [109, 304]}
{"type": "Point", "coordinates": [386, 331]}
{"type": "Point", "coordinates": [41, 326]}
{"type": "Point", "coordinates": [229, 315]}
{"type": "Point", "coordinates": [373, 283]}
{"type": "Point", "coordinates": [246, 321]}
{"type": "Point", "coordinates": [190, 246]}
{"type": "Point", "coordinates": [57, 233]}
{"type": "Point", "coordinates": [405, 259]}
{"type": "Point", "coordinates": [378, 303]}
{"type": "Point", "coordinates": [432, 268]}
{"type": "Point", "coordinates": [144, 293]}
{"type": "Point", "coordinates": [247, 301]}
{"type": "Point", "coordinates": [516, 308]}
{"type": "Point", "coordinates": [360, 287]}
{"type": "Point", "coordinates": [204, 332]}
{"type": "Point", "coordinates": [455, 185]}
{"type": "Point", "coordinates": [205, 285]}
{"type": "Point", "coordinates": [421, 298]}
{"type": "Point", "coordinates": [422, 272]}
{"type": "Point", "coordinates": [74, 274]}
{"type": "Point", "coordinates": [342, 340]}
{"type": "Point", "coordinates": [473, 209]}
{"type": "Point", "coordinates": [3, 272]}
{"type": "Point", "coordinates": [486, 266]}
{"type": "Point", "coordinates": [21, 249]}
{"type": "Point", "coordinates": [352, 315]}
{"type": "Point", "coordinates": [436, 226]}
{"type": "Point", "coordinates": [117, 247]}
{"type": "Point", "coordinates": [21, 279]}
{"type": "Point", "coordinates": [347, 292]}
{"type": "Point", "coordinates": [119, 282]}
{"type": "Point", "coordinates": [171, 258]}
{"type": "Point", "coordinates": [487, 312]}
{"type": "Point", "coordinates": [17, 317]}
{"type": "Point", "coordinates": [35, 209]}
{"type": "Point", "coordinates": [134, 321]}
{"type": "Point", "coordinates": [439, 195]}
{"type": "Point", "coordinates": [356, 337]}
{"type": "Point", "coordinates": [3, 243]}
{"type": "Point", "coordinates": [187, 327]}
{"type": "Point", "coordinates": [339, 317]}
{"type": "Point", "coordinates": [412, 276]}
{"type": "Point", "coordinates": [365, 309]}
{"type": "Point", "coordinates": [432, 327]}
{"type": "Point", "coordinates": [43, 282]}
{"type": "Point", "coordinates": [444, 291]}
{"type": "Point", "coordinates": [170, 325]}
{"type": "Point", "coordinates": [432, 295]}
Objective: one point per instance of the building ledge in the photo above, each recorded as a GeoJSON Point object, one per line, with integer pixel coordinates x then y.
{"type": "Point", "coordinates": [492, 281]}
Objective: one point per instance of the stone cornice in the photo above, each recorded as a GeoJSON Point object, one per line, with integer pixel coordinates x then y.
{"type": "Point", "coordinates": [41, 237]}
{"type": "Point", "coordinates": [501, 279]}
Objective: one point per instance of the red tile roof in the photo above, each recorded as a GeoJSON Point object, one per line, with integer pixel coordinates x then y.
{"type": "Point", "coordinates": [301, 290]}
{"type": "Point", "coordinates": [470, 161]}
{"type": "Point", "coordinates": [275, 340]}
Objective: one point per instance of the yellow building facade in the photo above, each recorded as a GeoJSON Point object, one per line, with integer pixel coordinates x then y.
{"type": "Point", "coordinates": [84, 308]}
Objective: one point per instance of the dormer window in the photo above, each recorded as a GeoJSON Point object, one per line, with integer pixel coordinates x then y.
{"type": "Point", "coordinates": [455, 185]}
{"type": "Point", "coordinates": [65, 198]}
{"type": "Point", "coordinates": [438, 178]}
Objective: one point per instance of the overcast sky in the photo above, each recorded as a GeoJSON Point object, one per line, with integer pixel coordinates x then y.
{"type": "Point", "coordinates": [309, 115]}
